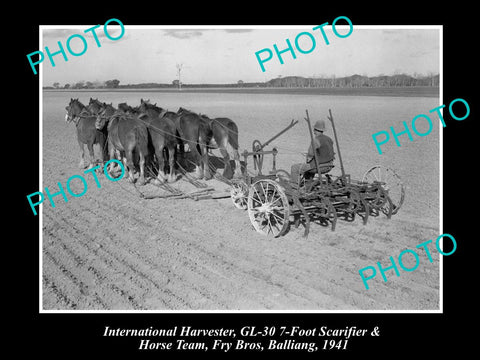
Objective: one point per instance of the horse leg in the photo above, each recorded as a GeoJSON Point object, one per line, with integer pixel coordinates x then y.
{"type": "Point", "coordinates": [114, 154]}
{"type": "Point", "coordinates": [161, 164]}
{"type": "Point", "coordinates": [181, 148]}
{"type": "Point", "coordinates": [111, 155]}
{"type": "Point", "coordinates": [171, 163]}
{"type": "Point", "coordinates": [123, 159]}
{"type": "Point", "coordinates": [227, 172]}
{"type": "Point", "coordinates": [141, 179]}
{"type": "Point", "coordinates": [204, 159]}
{"type": "Point", "coordinates": [81, 165]}
{"type": "Point", "coordinates": [103, 148]}
{"type": "Point", "coordinates": [197, 158]}
{"type": "Point", "coordinates": [233, 141]}
{"type": "Point", "coordinates": [202, 145]}
{"type": "Point", "coordinates": [129, 164]}
{"type": "Point", "coordinates": [102, 142]}
{"type": "Point", "coordinates": [91, 153]}
{"type": "Point", "coordinates": [238, 166]}
{"type": "Point", "coordinates": [117, 154]}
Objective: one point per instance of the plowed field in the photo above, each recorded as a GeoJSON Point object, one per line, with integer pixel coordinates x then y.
{"type": "Point", "coordinates": [111, 249]}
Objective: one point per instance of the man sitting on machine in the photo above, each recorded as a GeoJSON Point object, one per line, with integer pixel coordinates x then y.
{"type": "Point", "coordinates": [322, 145]}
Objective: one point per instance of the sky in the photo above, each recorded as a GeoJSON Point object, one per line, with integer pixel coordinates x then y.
{"type": "Point", "coordinates": [226, 54]}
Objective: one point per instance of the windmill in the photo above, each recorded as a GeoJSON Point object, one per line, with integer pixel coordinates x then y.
{"type": "Point", "coordinates": [179, 70]}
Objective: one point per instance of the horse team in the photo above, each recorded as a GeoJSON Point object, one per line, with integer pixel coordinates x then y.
{"type": "Point", "coordinates": [148, 133]}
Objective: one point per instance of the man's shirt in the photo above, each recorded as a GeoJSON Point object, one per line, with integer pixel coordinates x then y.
{"type": "Point", "coordinates": [323, 145]}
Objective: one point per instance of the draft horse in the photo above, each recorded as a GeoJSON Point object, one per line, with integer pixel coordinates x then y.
{"type": "Point", "coordinates": [128, 136]}
{"type": "Point", "coordinates": [95, 106]}
{"type": "Point", "coordinates": [220, 133]}
{"type": "Point", "coordinates": [162, 135]}
{"type": "Point", "coordinates": [224, 131]}
{"type": "Point", "coordinates": [194, 131]}
{"type": "Point", "coordinates": [87, 133]}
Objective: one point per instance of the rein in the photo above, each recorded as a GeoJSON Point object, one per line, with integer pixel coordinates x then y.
{"type": "Point", "coordinates": [83, 114]}
{"type": "Point", "coordinates": [105, 116]}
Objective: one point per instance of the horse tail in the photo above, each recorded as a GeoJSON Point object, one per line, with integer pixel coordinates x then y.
{"type": "Point", "coordinates": [112, 131]}
{"type": "Point", "coordinates": [233, 134]}
{"type": "Point", "coordinates": [141, 138]}
{"type": "Point", "coordinates": [179, 128]}
{"type": "Point", "coordinates": [170, 132]}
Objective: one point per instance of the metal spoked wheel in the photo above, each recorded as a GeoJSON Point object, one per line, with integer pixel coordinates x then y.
{"type": "Point", "coordinates": [239, 195]}
{"type": "Point", "coordinates": [268, 208]}
{"type": "Point", "coordinates": [392, 184]}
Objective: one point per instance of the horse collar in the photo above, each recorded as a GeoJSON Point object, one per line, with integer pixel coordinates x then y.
{"type": "Point", "coordinates": [76, 120]}
{"type": "Point", "coordinates": [83, 114]}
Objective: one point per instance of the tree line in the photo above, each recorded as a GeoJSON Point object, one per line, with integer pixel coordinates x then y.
{"type": "Point", "coordinates": [356, 81]}
{"type": "Point", "coordinates": [109, 84]}
{"type": "Point", "coordinates": [353, 81]}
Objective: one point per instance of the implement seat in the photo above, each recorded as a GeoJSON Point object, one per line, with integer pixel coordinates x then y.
{"type": "Point", "coordinates": [306, 171]}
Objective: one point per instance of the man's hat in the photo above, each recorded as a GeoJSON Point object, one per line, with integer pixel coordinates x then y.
{"type": "Point", "coordinates": [319, 125]}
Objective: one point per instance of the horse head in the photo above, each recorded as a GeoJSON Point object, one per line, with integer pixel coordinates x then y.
{"type": "Point", "coordinates": [95, 106]}
{"type": "Point", "coordinates": [147, 107]}
{"type": "Point", "coordinates": [124, 107]}
{"type": "Point", "coordinates": [74, 109]}
{"type": "Point", "coordinates": [104, 116]}
{"type": "Point", "coordinates": [144, 104]}
{"type": "Point", "coordinates": [182, 110]}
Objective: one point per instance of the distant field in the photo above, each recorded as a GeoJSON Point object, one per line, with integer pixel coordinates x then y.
{"type": "Point", "coordinates": [112, 250]}
{"type": "Point", "coordinates": [365, 91]}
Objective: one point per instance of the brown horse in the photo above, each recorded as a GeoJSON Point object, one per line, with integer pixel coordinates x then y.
{"type": "Point", "coordinates": [95, 106]}
{"type": "Point", "coordinates": [221, 132]}
{"type": "Point", "coordinates": [194, 131]}
{"type": "Point", "coordinates": [162, 136]}
{"type": "Point", "coordinates": [128, 135]}
{"type": "Point", "coordinates": [124, 107]}
{"type": "Point", "coordinates": [103, 117]}
{"type": "Point", "coordinates": [87, 133]}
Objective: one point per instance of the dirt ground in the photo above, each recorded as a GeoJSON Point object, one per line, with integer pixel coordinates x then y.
{"type": "Point", "coordinates": [111, 250]}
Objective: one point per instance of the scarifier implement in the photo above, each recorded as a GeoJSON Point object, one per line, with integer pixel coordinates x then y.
{"type": "Point", "coordinates": [275, 200]}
